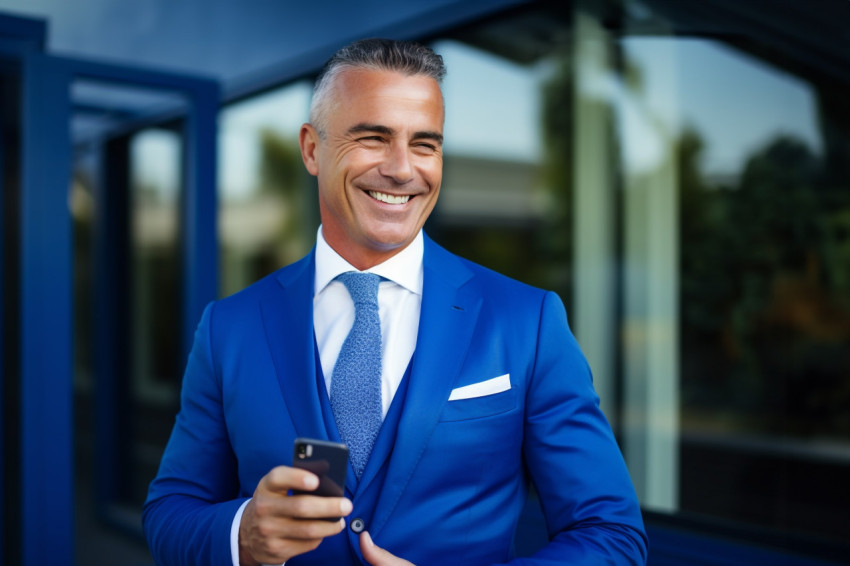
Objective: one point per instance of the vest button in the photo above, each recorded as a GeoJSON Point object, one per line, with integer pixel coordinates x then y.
{"type": "Point", "coordinates": [357, 525]}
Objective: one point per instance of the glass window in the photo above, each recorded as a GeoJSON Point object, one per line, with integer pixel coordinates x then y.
{"type": "Point", "coordinates": [765, 329]}
{"type": "Point", "coordinates": [509, 196]}
{"type": "Point", "coordinates": [506, 187]}
{"type": "Point", "coordinates": [680, 178]}
{"type": "Point", "coordinates": [736, 351]}
{"type": "Point", "coordinates": [125, 200]}
{"type": "Point", "coordinates": [156, 184]}
{"type": "Point", "coordinates": [268, 211]}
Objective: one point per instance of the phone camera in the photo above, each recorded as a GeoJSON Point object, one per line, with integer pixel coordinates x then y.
{"type": "Point", "coordinates": [305, 451]}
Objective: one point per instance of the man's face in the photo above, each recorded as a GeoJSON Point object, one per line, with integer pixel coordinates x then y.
{"type": "Point", "coordinates": [379, 164]}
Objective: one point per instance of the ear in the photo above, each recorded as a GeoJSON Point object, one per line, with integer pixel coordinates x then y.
{"type": "Point", "coordinates": [308, 139]}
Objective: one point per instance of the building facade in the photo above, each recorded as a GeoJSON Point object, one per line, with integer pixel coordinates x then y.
{"type": "Point", "coordinates": [679, 172]}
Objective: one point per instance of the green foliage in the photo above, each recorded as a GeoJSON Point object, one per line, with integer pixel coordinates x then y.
{"type": "Point", "coordinates": [766, 336]}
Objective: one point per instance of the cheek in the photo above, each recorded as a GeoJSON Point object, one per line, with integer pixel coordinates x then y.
{"type": "Point", "coordinates": [359, 160]}
{"type": "Point", "coordinates": [434, 179]}
{"type": "Point", "coordinates": [431, 171]}
{"type": "Point", "coordinates": [340, 163]}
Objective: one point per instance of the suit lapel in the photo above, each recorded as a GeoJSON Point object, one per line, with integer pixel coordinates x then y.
{"type": "Point", "coordinates": [447, 319]}
{"type": "Point", "coordinates": [288, 322]}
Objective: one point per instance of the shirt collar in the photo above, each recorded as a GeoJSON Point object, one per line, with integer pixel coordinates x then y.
{"type": "Point", "coordinates": [404, 268]}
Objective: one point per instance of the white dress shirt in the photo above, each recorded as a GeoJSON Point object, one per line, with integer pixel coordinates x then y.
{"type": "Point", "coordinates": [399, 304]}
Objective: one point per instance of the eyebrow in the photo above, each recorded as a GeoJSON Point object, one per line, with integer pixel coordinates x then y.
{"type": "Point", "coordinates": [387, 131]}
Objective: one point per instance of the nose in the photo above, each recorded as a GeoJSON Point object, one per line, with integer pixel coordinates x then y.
{"type": "Point", "coordinates": [396, 164]}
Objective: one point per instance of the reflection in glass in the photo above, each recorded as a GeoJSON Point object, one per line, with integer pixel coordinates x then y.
{"type": "Point", "coordinates": [268, 215]}
{"type": "Point", "coordinates": [155, 176]}
{"type": "Point", "coordinates": [507, 177]}
{"type": "Point", "coordinates": [716, 174]}
{"type": "Point", "coordinates": [155, 274]}
{"type": "Point", "coordinates": [764, 322]}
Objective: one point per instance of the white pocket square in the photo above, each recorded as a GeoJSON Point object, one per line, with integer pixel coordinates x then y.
{"type": "Point", "coordinates": [480, 389]}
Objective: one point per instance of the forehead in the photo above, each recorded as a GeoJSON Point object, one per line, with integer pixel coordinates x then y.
{"type": "Point", "coordinates": [378, 95]}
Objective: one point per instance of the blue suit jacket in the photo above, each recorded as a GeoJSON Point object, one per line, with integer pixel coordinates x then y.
{"type": "Point", "coordinates": [451, 487]}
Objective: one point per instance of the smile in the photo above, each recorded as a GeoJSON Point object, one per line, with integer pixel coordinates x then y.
{"type": "Point", "coordinates": [389, 199]}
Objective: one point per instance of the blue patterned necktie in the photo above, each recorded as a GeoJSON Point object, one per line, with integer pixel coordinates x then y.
{"type": "Point", "coordinates": [356, 379]}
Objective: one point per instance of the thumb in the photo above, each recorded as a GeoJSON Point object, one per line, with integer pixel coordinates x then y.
{"type": "Point", "coordinates": [368, 546]}
{"type": "Point", "coordinates": [374, 555]}
{"type": "Point", "coordinates": [377, 556]}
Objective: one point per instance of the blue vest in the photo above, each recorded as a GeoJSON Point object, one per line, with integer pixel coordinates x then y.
{"type": "Point", "coordinates": [348, 540]}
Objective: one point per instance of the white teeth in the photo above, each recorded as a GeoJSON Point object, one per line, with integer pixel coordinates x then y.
{"type": "Point", "coordinates": [389, 199]}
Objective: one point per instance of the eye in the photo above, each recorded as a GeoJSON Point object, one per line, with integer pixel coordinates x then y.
{"type": "Point", "coordinates": [370, 139]}
{"type": "Point", "coordinates": [425, 147]}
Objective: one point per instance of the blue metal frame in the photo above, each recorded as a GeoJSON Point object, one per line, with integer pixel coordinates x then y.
{"type": "Point", "coordinates": [24, 33]}
{"type": "Point", "coordinates": [199, 245]}
{"type": "Point", "coordinates": [18, 37]}
{"type": "Point", "coordinates": [200, 209]}
{"type": "Point", "coordinates": [199, 255]}
{"type": "Point", "coordinates": [46, 419]}
{"type": "Point", "coordinates": [2, 350]}
{"type": "Point", "coordinates": [200, 204]}
{"type": "Point", "coordinates": [46, 310]}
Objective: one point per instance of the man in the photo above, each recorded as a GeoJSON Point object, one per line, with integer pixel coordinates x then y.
{"type": "Point", "coordinates": [483, 390]}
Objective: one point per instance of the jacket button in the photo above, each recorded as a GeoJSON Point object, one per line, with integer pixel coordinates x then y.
{"type": "Point", "coordinates": [357, 525]}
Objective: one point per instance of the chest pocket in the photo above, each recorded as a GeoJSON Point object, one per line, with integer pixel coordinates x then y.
{"type": "Point", "coordinates": [479, 407]}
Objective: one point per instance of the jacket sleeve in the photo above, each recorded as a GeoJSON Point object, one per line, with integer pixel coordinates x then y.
{"type": "Point", "coordinates": [591, 509]}
{"type": "Point", "coordinates": [193, 499]}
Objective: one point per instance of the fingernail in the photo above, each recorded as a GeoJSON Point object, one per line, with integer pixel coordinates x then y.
{"type": "Point", "coordinates": [345, 506]}
{"type": "Point", "coordinates": [311, 482]}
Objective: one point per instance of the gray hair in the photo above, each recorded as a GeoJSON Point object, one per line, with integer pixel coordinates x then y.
{"type": "Point", "coordinates": [404, 57]}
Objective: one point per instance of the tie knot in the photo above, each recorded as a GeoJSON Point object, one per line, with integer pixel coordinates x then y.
{"type": "Point", "coordinates": [363, 287]}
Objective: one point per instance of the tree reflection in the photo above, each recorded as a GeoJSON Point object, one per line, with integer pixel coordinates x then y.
{"type": "Point", "coordinates": [765, 318]}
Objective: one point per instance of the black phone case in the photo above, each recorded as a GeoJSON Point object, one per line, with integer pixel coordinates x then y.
{"type": "Point", "coordinates": [328, 460]}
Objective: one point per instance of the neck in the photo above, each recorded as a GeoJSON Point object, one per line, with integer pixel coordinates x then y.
{"type": "Point", "coordinates": [362, 257]}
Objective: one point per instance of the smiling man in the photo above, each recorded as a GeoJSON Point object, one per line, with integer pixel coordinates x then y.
{"type": "Point", "coordinates": [379, 162]}
{"type": "Point", "coordinates": [455, 387]}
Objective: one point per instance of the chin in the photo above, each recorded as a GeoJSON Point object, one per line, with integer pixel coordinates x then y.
{"type": "Point", "coordinates": [389, 234]}
{"type": "Point", "coordinates": [387, 243]}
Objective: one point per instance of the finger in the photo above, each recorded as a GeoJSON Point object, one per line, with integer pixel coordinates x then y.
{"type": "Point", "coordinates": [299, 507]}
{"type": "Point", "coordinates": [271, 539]}
{"type": "Point", "coordinates": [283, 478]}
{"type": "Point", "coordinates": [315, 507]}
{"type": "Point", "coordinates": [302, 529]}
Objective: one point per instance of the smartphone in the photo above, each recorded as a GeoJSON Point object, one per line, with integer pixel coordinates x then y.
{"type": "Point", "coordinates": [328, 460]}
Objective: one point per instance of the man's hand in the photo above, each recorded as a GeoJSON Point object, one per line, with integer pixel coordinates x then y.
{"type": "Point", "coordinates": [377, 556]}
{"type": "Point", "coordinates": [276, 526]}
